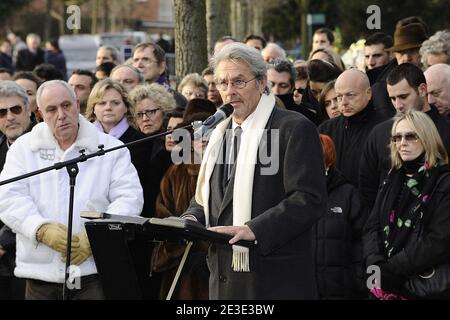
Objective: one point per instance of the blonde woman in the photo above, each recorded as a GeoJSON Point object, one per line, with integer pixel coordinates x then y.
{"type": "Point", "coordinates": [327, 55]}
{"type": "Point", "coordinates": [415, 196]}
{"type": "Point", "coordinates": [110, 110]}
{"type": "Point", "coordinates": [193, 86]}
{"type": "Point", "coordinates": [152, 105]}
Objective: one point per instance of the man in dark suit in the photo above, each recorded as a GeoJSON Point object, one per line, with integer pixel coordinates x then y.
{"type": "Point", "coordinates": [29, 58]}
{"type": "Point", "coordinates": [276, 199]}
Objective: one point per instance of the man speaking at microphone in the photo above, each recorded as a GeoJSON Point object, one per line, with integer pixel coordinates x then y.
{"type": "Point", "coordinates": [36, 208]}
{"type": "Point", "coordinates": [273, 203]}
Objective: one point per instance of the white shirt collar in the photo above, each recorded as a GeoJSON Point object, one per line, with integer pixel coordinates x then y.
{"type": "Point", "coordinates": [244, 125]}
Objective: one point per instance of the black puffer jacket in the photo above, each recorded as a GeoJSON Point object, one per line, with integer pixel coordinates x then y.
{"type": "Point", "coordinates": [338, 243]}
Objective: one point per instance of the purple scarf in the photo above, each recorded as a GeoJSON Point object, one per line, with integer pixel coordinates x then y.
{"type": "Point", "coordinates": [117, 131]}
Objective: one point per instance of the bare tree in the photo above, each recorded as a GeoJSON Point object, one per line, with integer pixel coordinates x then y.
{"type": "Point", "coordinates": [306, 45]}
{"type": "Point", "coordinates": [190, 37]}
{"type": "Point", "coordinates": [94, 17]}
{"type": "Point", "coordinates": [257, 10]}
{"type": "Point", "coordinates": [217, 21]}
{"type": "Point", "coordinates": [48, 20]}
{"type": "Point", "coordinates": [247, 16]}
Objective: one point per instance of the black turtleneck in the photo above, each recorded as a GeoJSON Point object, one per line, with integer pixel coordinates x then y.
{"type": "Point", "coordinates": [363, 116]}
{"type": "Point", "coordinates": [413, 166]}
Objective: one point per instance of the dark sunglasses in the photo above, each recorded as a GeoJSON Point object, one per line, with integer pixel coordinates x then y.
{"type": "Point", "coordinates": [409, 137]}
{"type": "Point", "coordinates": [14, 109]}
{"type": "Point", "coordinates": [300, 90]}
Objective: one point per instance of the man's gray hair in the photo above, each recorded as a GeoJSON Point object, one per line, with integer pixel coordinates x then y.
{"type": "Point", "coordinates": [33, 36]}
{"type": "Point", "coordinates": [114, 52]}
{"type": "Point", "coordinates": [239, 52]}
{"type": "Point", "coordinates": [436, 44]}
{"type": "Point", "coordinates": [132, 68]}
{"type": "Point", "coordinates": [9, 88]}
{"type": "Point", "coordinates": [53, 82]}
{"type": "Point", "coordinates": [281, 51]}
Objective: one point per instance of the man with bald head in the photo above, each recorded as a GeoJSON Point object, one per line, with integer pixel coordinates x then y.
{"type": "Point", "coordinates": [438, 85]}
{"type": "Point", "coordinates": [407, 88]}
{"type": "Point", "coordinates": [349, 131]}
{"type": "Point", "coordinates": [127, 75]}
{"type": "Point", "coordinates": [36, 208]}
{"type": "Point", "coordinates": [273, 51]}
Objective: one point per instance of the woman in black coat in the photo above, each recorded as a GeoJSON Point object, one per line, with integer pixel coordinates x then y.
{"type": "Point", "coordinates": [111, 112]}
{"type": "Point", "coordinates": [339, 259]}
{"type": "Point", "coordinates": [408, 231]}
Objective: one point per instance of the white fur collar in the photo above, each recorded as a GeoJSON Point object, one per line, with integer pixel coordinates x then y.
{"type": "Point", "coordinates": [42, 137]}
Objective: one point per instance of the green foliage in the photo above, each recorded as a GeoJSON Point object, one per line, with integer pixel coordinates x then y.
{"type": "Point", "coordinates": [282, 21]}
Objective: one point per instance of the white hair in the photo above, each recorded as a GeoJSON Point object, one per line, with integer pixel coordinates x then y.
{"type": "Point", "coordinates": [53, 82]}
{"type": "Point", "coordinates": [281, 51]}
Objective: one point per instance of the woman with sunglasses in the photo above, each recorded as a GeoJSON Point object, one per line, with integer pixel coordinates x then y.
{"type": "Point", "coordinates": [415, 196]}
{"type": "Point", "coordinates": [300, 81]}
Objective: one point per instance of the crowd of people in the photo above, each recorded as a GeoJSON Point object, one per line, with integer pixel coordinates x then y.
{"type": "Point", "coordinates": [327, 170]}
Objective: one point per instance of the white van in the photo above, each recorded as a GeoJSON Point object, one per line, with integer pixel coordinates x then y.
{"type": "Point", "coordinates": [80, 50]}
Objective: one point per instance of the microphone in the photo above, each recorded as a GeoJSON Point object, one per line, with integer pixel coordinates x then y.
{"type": "Point", "coordinates": [221, 114]}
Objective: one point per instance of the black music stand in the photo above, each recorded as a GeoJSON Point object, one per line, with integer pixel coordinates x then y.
{"type": "Point", "coordinates": [117, 243]}
{"type": "Point", "coordinates": [121, 256]}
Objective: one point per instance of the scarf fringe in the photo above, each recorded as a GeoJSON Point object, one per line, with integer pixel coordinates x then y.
{"type": "Point", "coordinates": [241, 259]}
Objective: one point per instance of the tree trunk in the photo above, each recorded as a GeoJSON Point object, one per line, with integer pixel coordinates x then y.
{"type": "Point", "coordinates": [48, 21]}
{"type": "Point", "coordinates": [245, 21]}
{"type": "Point", "coordinates": [240, 18]}
{"type": "Point", "coordinates": [105, 16]}
{"type": "Point", "coordinates": [257, 17]}
{"type": "Point", "coordinates": [95, 4]}
{"type": "Point", "coordinates": [190, 37]}
{"type": "Point", "coordinates": [217, 21]}
{"type": "Point", "coordinates": [306, 42]}
{"type": "Point", "coordinates": [234, 17]}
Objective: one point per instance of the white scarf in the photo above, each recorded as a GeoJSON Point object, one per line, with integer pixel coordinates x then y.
{"type": "Point", "coordinates": [244, 173]}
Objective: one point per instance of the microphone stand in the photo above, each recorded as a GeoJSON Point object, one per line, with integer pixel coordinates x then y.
{"type": "Point", "coordinates": [72, 169]}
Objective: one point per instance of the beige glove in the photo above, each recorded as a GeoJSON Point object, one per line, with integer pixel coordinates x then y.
{"type": "Point", "coordinates": [54, 235]}
{"type": "Point", "coordinates": [80, 253]}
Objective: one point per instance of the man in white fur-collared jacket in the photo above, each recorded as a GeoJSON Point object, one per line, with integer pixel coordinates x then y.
{"type": "Point", "coordinates": [36, 208]}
